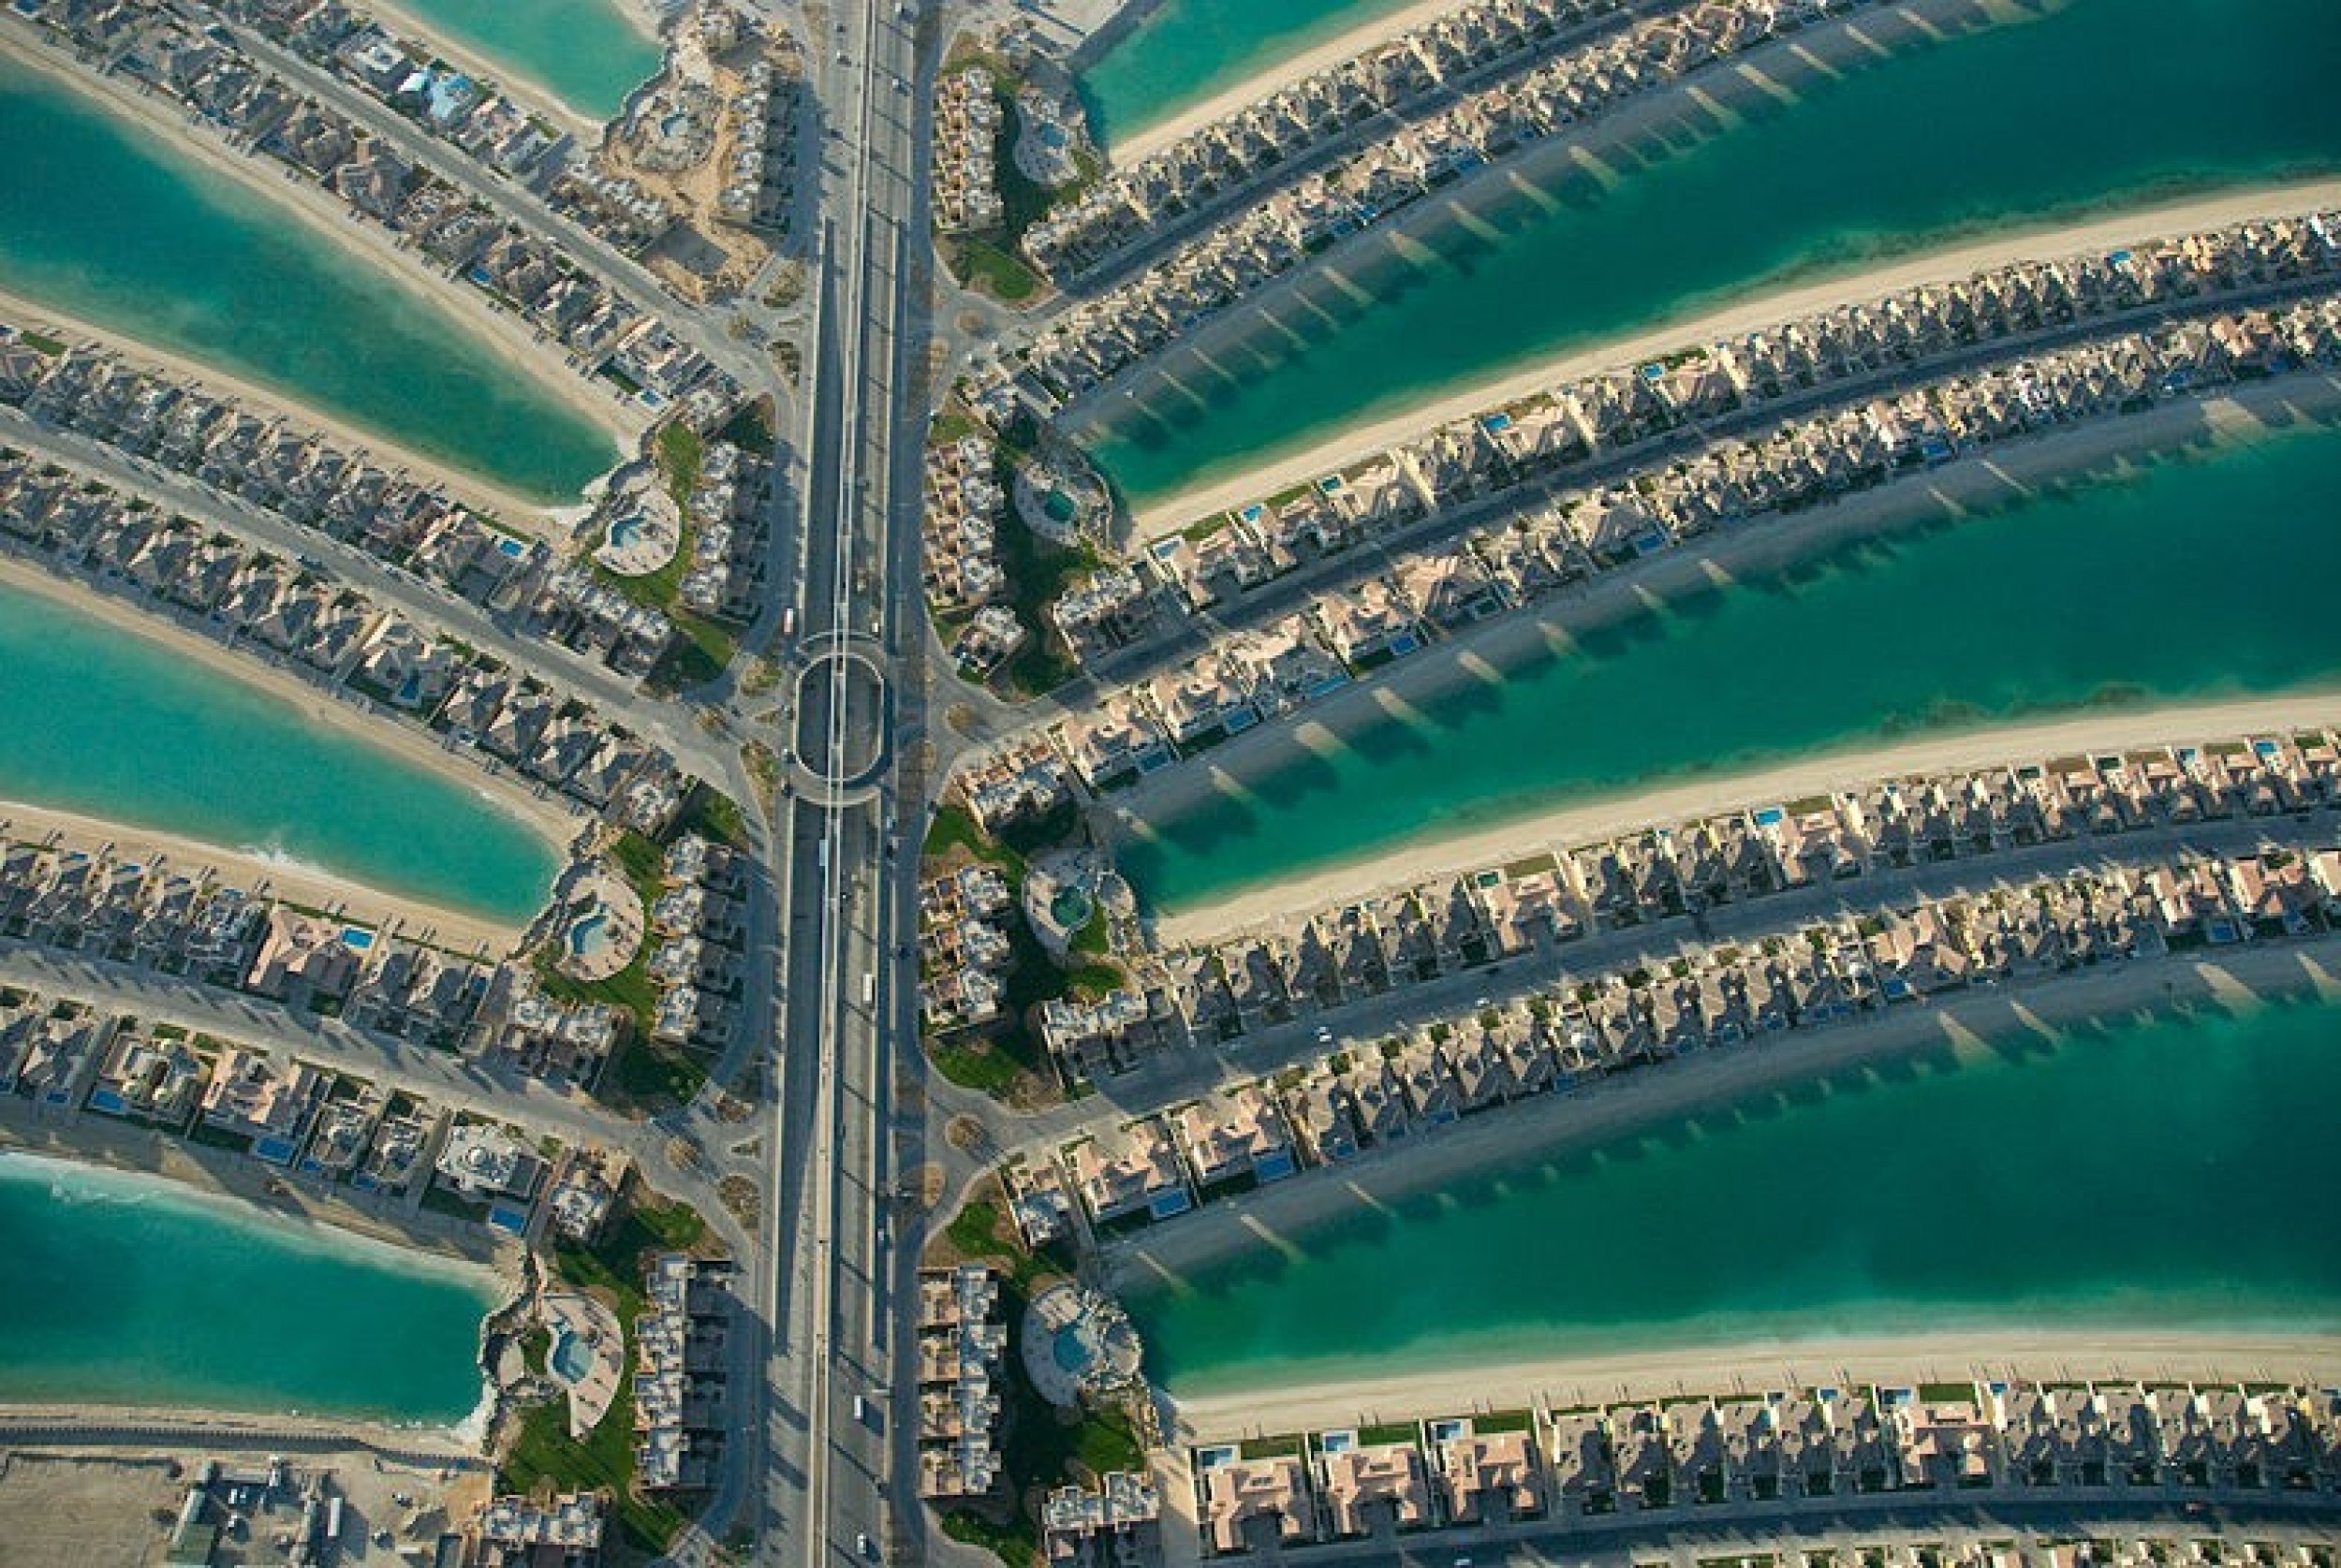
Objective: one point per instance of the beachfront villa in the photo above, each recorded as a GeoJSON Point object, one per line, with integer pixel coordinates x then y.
{"type": "Point", "coordinates": [47, 1050]}
{"type": "Point", "coordinates": [1493, 1476]}
{"type": "Point", "coordinates": [1254, 1503]}
{"type": "Point", "coordinates": [1139, 1174]}
{"type": "Point", "coordinates": [1038, 1199]}
{"type": "Point", "coordinates": [251, 1097]}
{"type": "Point", "coordinates": [1239, 1137]}
{"type": "Point", "coordinates": [1761, 1446]}
{"type": "Point", "coordinates": [157, 1079]}
{"type": "Point", "coordinates": [488, 1164]}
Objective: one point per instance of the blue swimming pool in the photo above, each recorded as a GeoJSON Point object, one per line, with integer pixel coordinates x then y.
{"type": "Point", "coordinates": [571, 1357]}
{"type": "Point", "coordinates": [1073, 1351]}
{"type": "Point", "coordinates": [590, 935]}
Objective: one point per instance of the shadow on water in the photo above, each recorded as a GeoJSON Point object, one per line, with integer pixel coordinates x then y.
{"type": "Point", "coordinates": [2021, 1111]}
{"type": "Point", "coordinates": [1616, 230]}
{"type": "Point", "coordinates": [1600, 706]}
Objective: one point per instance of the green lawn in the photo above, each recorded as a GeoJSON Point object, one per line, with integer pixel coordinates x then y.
{"type": "Point", "coordinates": [543, 1449]}
{"type": "Point", "coordinates": [1011, 1047]}
{"type": "Point", "coordinates": [713, 817]}
{"type": "Point", "coordinates": [976, 1063]}
{"type": "Point", "coordinates": [752, 429]}
{"type": "Point", "coordinates": [681, 456]}
{"type": "Point", "coordinates": [1016, 1543]}
{"type": "Point", "coordinates": [630, 990]}
{"type": "Point", "coordinates": [1038, 573]}
{"type": "Point", "coordinates": [648, 1073]}
{"type": "Point", "coordinates": [643, 864]}
{"type": "Point", "coordinates": [954, 828]}
{"type": "Point", "coordinates": [705, 647]}
{"type": "Point", "coordinates": [1387, 1433]}
{"type": "Point", "coordinates": [982, 265]}
{"type": "Point", "coordinates": [1093, 941]}
{"type": "Point", "coordinates": [952, 426]}
{"type": "Point", "coordinates": [1042, 1448]}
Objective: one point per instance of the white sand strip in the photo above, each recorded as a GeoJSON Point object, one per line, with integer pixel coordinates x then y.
{"type": "Point", "coordinates": [509, 507]}
{"type": "Point", "coordinates": [1954, 1356]}
{"type": "Point", "coordinates": [1156, 518]}
{"type": "Point", "coordinates": [535, 356]}
{"type": "Point", "coordinates": [549, 816]}
{"type": "Point", "coordinates": [1280, 1217]}
{"type": "Point", "coordinates": [1129, 148]}
{"type": "Point", "coordinates": [2008, 474]}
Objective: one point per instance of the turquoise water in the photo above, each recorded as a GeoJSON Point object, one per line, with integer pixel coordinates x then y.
{"type": "Point", "coordinates": [2199, 578]}
{"type": "Point", "coordinates": [2030, 1183]}
{"type": "Point", "coordinates": [585, 51]}
{"type": "Point", "coordinates": [120, 728]}
{"type": "Point", "coordinates": [1186, 51]}
{"type": "Point", "coordinates": [206, 1305]}
{"type": "Point", "coordinates": [111, 224]}
{"type": "Point", "coordinates": [2096, 103]}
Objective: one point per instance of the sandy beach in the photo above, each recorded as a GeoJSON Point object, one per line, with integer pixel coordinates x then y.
{"type": "Point", "coordinates": [1484, 653]}
{"type": "Point", "coordinates": [333, 1216]}
{"type": "Point", "coordinates": [307, 885]}
{"type": "Point", "coordinates": [1281, 1216]}
{"type": "Point", "coordinates": [1758, 1368]}
{"type": "Point", "coordinates": [1157, 518]}
{"type": "Point", "coordinates": [528, 352]}
{"type": "Point", "coordinates": [546, 815]}
{"type": "Point", "coordinates": [507, 507]}
{"type": "Point", "coordinates": [1575, 826]}
{"type": "Point", "coordinates": [532, 92]}
{"type": "Point", "coordinates": [1357, 40]}
{"type": "Point", "coordinates": [1646, 129]}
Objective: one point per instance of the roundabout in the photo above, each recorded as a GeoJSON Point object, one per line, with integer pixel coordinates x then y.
{"type": "Point", "coordinates": [841, 721]}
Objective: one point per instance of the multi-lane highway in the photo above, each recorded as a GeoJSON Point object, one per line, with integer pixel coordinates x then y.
{"type": "Point", "coordinates": [830, 1423]}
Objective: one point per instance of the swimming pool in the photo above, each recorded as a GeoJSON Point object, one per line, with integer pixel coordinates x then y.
{"type": "Point", "coordinates": [627, 533]}
{"type": "Point", "coordinates": [1073, 1351]}
{"type": "Point", "coordinates": [571, 1356]}
{"type": "Point", "coordinates": [1071, 909]}
{"type": "Point", "coordinates": [589, 935]}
